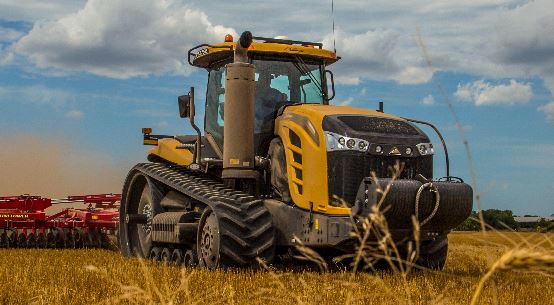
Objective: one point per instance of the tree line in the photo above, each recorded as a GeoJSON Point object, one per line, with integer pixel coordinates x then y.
{"type": "Point", "coordinates": [501, 220]}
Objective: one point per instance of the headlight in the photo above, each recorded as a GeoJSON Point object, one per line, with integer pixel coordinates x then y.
{"type": "Point", "coordinates": [340, 142]}
{"type": "Point", "coordinates": [425, 149]}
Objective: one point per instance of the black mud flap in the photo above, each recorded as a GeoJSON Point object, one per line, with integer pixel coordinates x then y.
{"type": "Point", "coordinates": [399, 204]}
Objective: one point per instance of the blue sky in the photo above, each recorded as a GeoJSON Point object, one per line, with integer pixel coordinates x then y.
{"type": "Point", "coordinates": [91, 74]}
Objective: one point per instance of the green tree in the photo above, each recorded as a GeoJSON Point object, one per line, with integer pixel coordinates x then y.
{"type": "Point", "coordinates": [497, 219]}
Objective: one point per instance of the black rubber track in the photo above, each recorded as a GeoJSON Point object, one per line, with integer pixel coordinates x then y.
{"type": "Point", "coordinates": [246, 229]}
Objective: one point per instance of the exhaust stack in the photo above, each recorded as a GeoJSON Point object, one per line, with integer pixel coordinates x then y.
{"type": "Point", "coordinates": [238, 133]}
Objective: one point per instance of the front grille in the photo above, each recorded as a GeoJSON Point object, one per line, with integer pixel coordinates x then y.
{"type": "Point", "coordinates": [378, 125]}
{"type": "Point", "coordinates": [347, 169]}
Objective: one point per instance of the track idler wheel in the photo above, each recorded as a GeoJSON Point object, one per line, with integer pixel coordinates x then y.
{"type": "Point", "coordinates": [140, 203]}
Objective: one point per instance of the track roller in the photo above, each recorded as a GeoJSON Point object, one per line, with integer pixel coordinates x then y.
{"type": "Point", "coordinates": [165, 256]}
{"type": "Point", "coordinates": [190, 259]}
{"type": "Point", "coordinates": [177, 257]}
{"type": "Point", "coordinates": [155, 254]}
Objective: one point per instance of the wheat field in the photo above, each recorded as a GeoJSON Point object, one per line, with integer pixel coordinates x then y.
{"type": "Point", "coordinates": [32, 276]}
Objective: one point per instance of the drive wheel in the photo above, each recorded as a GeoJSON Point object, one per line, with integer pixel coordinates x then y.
{"type": "Point", "coordinates": [142, 197]}
{"type": "Point", "coordinates": [208, 240]}
{"type": "Point", "coordinates": [433, 253]}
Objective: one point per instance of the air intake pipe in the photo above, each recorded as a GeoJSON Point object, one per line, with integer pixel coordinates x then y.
{"type": "Point", "coordinates": [238, 131]}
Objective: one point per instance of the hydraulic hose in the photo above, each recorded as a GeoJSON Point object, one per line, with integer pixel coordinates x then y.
{"type": "Point", "coordinates": [433, 189]}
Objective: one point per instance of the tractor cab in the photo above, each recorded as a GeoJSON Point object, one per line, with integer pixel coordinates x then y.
{"type": "Point", "coordinates": [287, 72]}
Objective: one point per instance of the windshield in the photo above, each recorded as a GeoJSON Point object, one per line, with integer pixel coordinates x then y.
{"type": "Point", "coordinates": [278, 83]}
{"type": "Point", "coordinates": [299, 82]}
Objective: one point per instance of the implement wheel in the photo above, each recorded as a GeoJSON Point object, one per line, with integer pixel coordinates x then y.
{"type": "Point", "coordinates": [141, 197]}
{"type": "Point", "coordinates": [433, 253]}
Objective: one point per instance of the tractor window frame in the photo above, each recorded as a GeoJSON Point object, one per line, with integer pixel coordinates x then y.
{"type": "Point", "coordinates": [212, 109]}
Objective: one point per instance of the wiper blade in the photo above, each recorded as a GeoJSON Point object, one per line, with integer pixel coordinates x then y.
{"type": "Point", "coordinates": [303, 68]}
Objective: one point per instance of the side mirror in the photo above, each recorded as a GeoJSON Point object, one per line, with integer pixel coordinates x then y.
{"type": "Point", "coordinates": [186, 104]}
{"type": "Point", "coordinates": [332, 78]}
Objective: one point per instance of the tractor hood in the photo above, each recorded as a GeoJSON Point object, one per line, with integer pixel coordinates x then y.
{"type": "Point", "coordinates": [370, 125]}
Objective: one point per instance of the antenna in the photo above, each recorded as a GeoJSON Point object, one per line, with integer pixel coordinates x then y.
{"type": "Point", "coordinates": [333, 16]}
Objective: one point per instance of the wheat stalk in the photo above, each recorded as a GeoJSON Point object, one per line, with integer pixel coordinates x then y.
{"type": "Point", "coordinates": [516, 259]}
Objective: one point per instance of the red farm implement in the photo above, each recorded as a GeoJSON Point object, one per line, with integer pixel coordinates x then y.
{"type": "Point", "coordinates": [25, 224]}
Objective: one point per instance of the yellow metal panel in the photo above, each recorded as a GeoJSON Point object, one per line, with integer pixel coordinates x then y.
{"type": "Point", "coordinates": [217, 53]}
{"type": "Point", "coordinates": [167, 150]}
{"type": "Point", "coordinates": [314, 157]}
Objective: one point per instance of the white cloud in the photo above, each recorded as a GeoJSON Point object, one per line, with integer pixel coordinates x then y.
{"type": "Point", "coordinates": [74, 114]}
{"type": "Point", "coordinates": [37, 94]}
{"type": "Point", "coordinates": [120, 38]}
{"type": "Point", "coordinates": [548, 111]}
{"type": "Point", "coordinates": [428, 100]}
{"type": "Point", "coordinates": [524, 40]}
{"type": "Point", "coordinates": [483, 93]}
{"type": "Point", "coordinates": [7, 34]}
{"type": "Point", "coordinates": [374, 55]}
{"type": "Point", "coordinates": [162, 125]}
{"type": "Point", "coordinates": [32, 10]}
{"type": "Point", "coordinates": [494, 39]}
{"type": "Point", "coordinates": [346, 102]}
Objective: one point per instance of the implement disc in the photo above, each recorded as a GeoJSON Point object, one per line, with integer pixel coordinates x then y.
{"type": "Point", "coordinates": [41, 240]}
{"type": "Point", "coordinates": [31, 240]}
{"type": "Point", "coordinates": [4, 241]}
{"type": "Point", "coordinates": [21, 240]}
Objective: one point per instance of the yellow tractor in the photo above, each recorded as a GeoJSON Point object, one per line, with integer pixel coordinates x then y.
{"type": "Point", "coordinates": [277, 165]}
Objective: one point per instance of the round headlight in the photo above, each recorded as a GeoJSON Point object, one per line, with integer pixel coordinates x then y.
{"type": "Point", "coordinates": [350, 143]}
{"type": "Point", "coordinates": [423, 149]}
{"type": "Point", "coordinates": [378, 149]}
{"type": "Point", "coordinates": [408, 151]}
{"type": "Point", "coordinates": [362, 145]}
{"type": "Point", "coordinates": [342, 141]}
